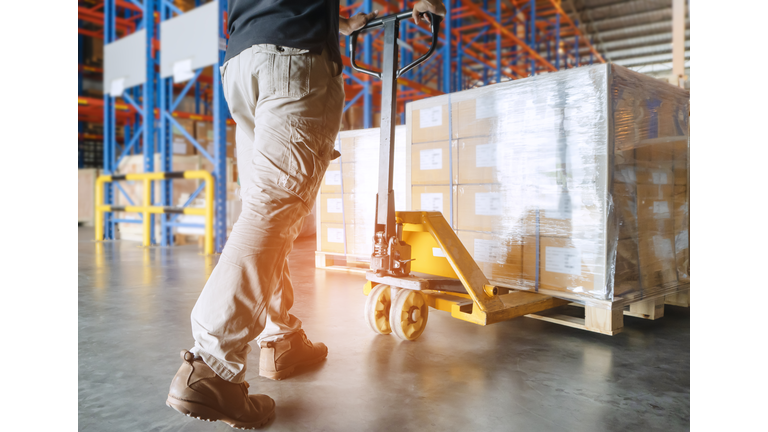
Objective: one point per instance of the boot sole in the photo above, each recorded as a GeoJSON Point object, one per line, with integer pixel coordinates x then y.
{"type": "Point", "coordinates": [285, 373]}
{"type": "Point", "coordinates": [202, 412]}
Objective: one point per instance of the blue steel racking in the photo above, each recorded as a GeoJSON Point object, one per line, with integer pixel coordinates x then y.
{"type": "Point", "coordinates": [480, 45]}
{"type": "Point", "coordinates": [152, 105]}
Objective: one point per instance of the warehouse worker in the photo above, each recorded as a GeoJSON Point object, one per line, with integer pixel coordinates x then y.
{"type": "Point", "coordinates": [282, 81]}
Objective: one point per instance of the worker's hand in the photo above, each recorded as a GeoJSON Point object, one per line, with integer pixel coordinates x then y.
{"type": "Point", "coordinates": [434, 6]}
{"type": "Point", "coordinates": [349, 25]}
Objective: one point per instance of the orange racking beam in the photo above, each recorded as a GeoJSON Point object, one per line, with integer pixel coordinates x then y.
{"type": "Point", "coordinates": [567, 18]}
{"type": "Point", "coordinates": [499, 27]}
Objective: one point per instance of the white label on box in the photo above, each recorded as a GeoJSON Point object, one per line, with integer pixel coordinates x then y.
{"type": "Point", "coordinates": [335, 235]}
{"type": "Point", "coordinates": [333, 178]}
{"type": "Point", "coordinates": [179, 147]}
{"type": "Point", "coordinates": [485, 106]}
{"type": "Point", "coordinates": [661, 209]}
{"type": "Point", "coordinates": [485, 156]}
{"type": "Point", "coordinates": [116, 87]}
{"type": "Point", "coordinates": [486, 251]}
{"type": "Point", "coordinates": [659, 177]}
{"type": "Point", "coordinates": [663, 247]}
{"type": "Point", "coordinates": [681, 241]}
{"type": "Point", "coordinates": [488, 204]}
{"type": "Point", "coordinates": [563, 260]}
{"type": "Point", "coordinates": [628, 175]}
{"type": "Point", "coordinates": [335, 205]}
{"type": "Point", "coordinates": [431, 159]}
{"type": "Point", "coordinates": [564, 208]}
{"type": "Point", "coordinates": [429, 117]}
{"type": "Point", "coordinates": [432, 202]}
{"type": "Point", "coordinates": [438, 252]}
{"type": "Point", "coordinates": [182, 71]}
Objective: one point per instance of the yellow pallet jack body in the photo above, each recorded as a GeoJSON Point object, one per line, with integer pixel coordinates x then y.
{"type": "Point", "coordinates": [418, 261]}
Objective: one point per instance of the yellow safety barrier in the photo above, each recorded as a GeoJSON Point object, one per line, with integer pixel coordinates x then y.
{"type": "Point", "coordinates": [148, 209]}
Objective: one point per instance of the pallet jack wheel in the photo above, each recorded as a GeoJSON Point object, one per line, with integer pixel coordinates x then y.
{"type": "Point", "coordinates": [409, 314]}
{"type": "Point", "coordinates": [377, 308]}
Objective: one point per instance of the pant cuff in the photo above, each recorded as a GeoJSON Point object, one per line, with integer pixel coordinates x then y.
{"type": "Point", "coordinates": [219, 367]}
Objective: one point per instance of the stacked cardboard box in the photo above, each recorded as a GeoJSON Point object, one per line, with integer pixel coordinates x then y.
{"type": "Point", "coordinates": [204, 136]}
{"type": "Point", "coordinates": [571, 182]}
{"type": "Point", "coordinates": [132, 193]}
{"type": "Point", "coordinates": [347, 199]}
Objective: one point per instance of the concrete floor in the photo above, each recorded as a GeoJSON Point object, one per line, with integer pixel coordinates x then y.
{"type": "Point", "coordinates": [519, 375]}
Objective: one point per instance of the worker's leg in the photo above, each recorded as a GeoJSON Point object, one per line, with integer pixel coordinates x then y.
{"type": "Point", "coordinates": [294, 100]}
{"type": "Point", "coordinates": [279, 322]}
{"type": "Point", "coordinates": [283, 344]}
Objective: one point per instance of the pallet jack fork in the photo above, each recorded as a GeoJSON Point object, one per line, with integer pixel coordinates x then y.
{"type": "Point", "coordinates": [418, 261]}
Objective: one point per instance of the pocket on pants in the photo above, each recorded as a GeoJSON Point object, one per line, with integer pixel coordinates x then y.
{"type": "Point", "coordinates": [289, 74]}
{"type": "Point", "coordinates": [307, 158]}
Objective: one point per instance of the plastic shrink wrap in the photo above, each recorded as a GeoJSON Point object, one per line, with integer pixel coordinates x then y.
{"type": "Point", "coordinates": [573, 183]}
{"type": "Point", "coordinates": [346, 204]}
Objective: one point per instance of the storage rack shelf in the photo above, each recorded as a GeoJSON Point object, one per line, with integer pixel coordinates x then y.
{"type": "Point", "coordinates": [482, 43]}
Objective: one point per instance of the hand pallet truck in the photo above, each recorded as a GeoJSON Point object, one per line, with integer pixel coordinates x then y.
{"type": "Point", "coordinates": [406, 278]}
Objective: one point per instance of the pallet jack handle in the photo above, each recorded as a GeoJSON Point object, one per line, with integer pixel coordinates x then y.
{"type": "Point", "coordinates": [435, 21]}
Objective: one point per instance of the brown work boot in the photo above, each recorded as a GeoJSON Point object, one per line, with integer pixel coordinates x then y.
{"type": "Point", "coordinates": [198, 392]}
{"type": "Point", "coordinates": [279, 359]}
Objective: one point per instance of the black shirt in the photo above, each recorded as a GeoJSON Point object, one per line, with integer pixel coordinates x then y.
{"type": "Point", "coordinates": [303, 24]}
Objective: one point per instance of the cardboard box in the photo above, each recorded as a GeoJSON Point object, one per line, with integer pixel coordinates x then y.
{"type": "Point", "coordinates": [430, 121]}
{"type": "Point", "coordinates": [681, 218]}
{"type": "Point", "coordinates": [434, 198]}
{"type": "Point", "coordinates": [480, 160]}
{"type": "Point", "coordinates": [429, 164]}
{"type": "Point", "coordinates": [180, 145]}
{"type": "Point", "coordinates": [625, 206]}
{"type": "Point", "coordinates": [337, 176]}
{"type": "Point", "coordinates": [657, 260]}
{"type": "Point", "coordinates": [560, 214]}
{"type": "Point", "coordinates": [333, 207]}
{"type": "Point", "coordinates": [655, 206]}
{"type": "Point", "coordinates": [500, 259]}
{"type": "Point", "coordinates": [484, 208]}
{"type": "Point", "coordinates": [332, 238]}
{"type": "Point", "coordinates": [476, 117]}
{"type": "Point", "coordinates": [564, 264]}
{"type": "Point", "coordinates": [627, 270]}
{"type": "Point", "coordinates": [204, 136]}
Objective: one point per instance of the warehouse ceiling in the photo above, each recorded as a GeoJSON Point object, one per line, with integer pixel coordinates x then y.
{"type": "Point", "coordinates": [632, 33]}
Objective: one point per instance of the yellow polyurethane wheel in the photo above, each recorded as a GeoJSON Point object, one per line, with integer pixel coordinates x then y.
{"type": "Point", "coordinates": [377, 308]}
{"type": "Point", "coordinates": [408, 317]}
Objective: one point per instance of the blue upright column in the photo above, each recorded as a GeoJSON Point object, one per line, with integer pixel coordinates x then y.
{"type": "Point", "coordinates": [368, 59]}
{"type": "Point", "coordinates": [498, 43]}
{"type": "Point", "coordinates": [447, 49]}
{"type": "Point", "coordinates": [109, 125]}
{"type": "Point", "coordinates": [532, 37]}
{"type": "Point", "coordinates": [220, 115]}
{"type": "Point", "coordinates": [165, 96]}
{"type": "Point", "coordinates": [148, 105]}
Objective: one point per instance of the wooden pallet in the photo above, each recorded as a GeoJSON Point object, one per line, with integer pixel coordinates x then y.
{"type": "Point", "coordinates": [611, 321]}
{"type": "Point", "coordinates": [340, 263]}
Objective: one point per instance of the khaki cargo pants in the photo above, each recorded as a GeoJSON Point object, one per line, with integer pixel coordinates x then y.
{"type": "Point", "coordinates": [287, 104]}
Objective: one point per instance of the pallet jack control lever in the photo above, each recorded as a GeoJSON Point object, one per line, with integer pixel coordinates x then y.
{"type": "Point", "coordinates": [391, 255]}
